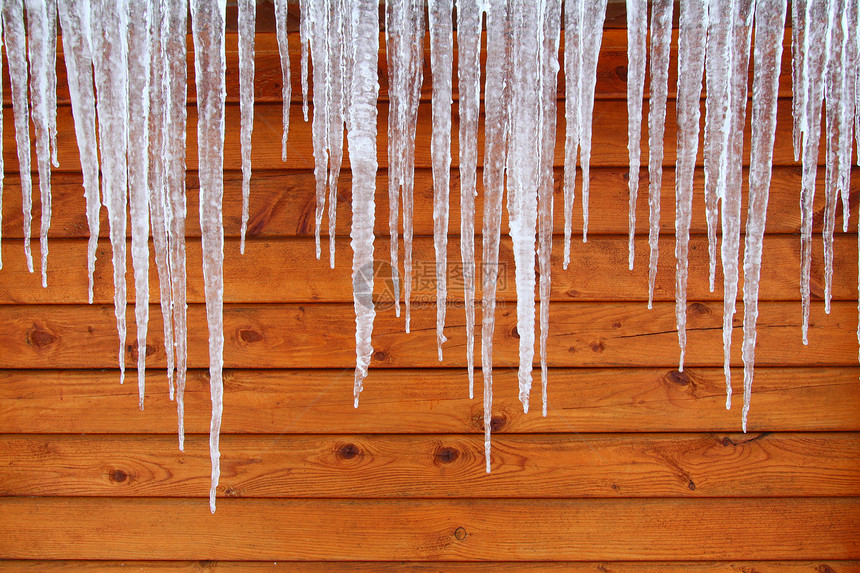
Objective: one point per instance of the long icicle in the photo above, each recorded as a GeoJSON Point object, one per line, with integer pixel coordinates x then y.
{"type": "Point", "coordinates": [691, 63]}
{"type": "Point", "coordinates": [468, 107]}
{"type": "Point", "coordinates": [573, 122]}
{"type": "Point", "coordinates": [138, 173]}
{"type": "Point", "coordinates": [208, 23]}
{"type": "Point", "coordinates": [318, 13]}
{"type": "Point", "coordinates": [281, 16]}
{"type": "Point", "coordinates": [497, 92]}
{"type": "Point", "coordinates": [109, 22]}
{"type": "Point", "coordinates": [770, 27]}
{"type": "Point", "coordinates": [637, 28]}
{"type": "Point", "coordinates": [361, 136]}
{"type": "Point", "coordinates": [661, 36]}
{"type": "Point", "coordinates": [338, 65]}
{"type": "Point", "coordinates": [247, 30]}
{"type": "Point", "coordinates": [442, 69]}
{"type": "Point", "coordinates": [75, 22]}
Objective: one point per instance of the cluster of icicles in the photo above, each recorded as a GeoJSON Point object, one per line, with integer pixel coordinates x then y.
{"type": "Point", "coordinates": [131, 54]}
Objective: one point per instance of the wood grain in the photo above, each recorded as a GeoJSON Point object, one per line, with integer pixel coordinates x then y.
{"type": "Point", "coordinates": [609, 148]}
{"type": "Point", "coordinates": [524, 529]}
{"type": "Point", "coordinates": [282, 204]}
{"type": "Point", "coordinates": [608, 334]}
{"type": "Point", "coordinates": [318, 401]}
{"type": "Point", "coordinates": [436, 465]}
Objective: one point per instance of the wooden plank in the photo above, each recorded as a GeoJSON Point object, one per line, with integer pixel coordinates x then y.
{"type": "Point", "coordinates": [294, 275]}
{"type": "Point", "coordinates": [460, 530]}
{"type": "Point", "coordinates": [608, 147]}
{"type": "Point", "coordinates": [282, 204]}
{"type": "Point", "coordinates": [611, 69]}
{"type": "Point", "coordinates": [419, 567]}
{"type": "Point", "coordinates": [300, 336]}
{"type": "Point", "coordinates": [436, 465]}
{"type": "Point", "coordinates": [431, 400]}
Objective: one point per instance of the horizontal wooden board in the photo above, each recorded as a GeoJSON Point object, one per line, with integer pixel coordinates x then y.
{"type": "Point", "coordinates": [282, 204]}
{"type": "Point", "coordinates": [436, 466]}
{"type": "Point", "coordinates": [606, 334]}
{"type": "Point", "coordinates": [431, 401]}
{"type": "Point", "coordinates": [609, 145]}
{"type": "Point", "coordinates": [335, 530]}
{"type": "Point", "coordinates": [419, 567]}
{"type": "Point", "coordinates": [293, 274]}
{"type": "Point", "coordinates": [611, 69]}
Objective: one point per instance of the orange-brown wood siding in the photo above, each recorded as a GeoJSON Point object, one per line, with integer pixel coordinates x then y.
{"type": "Point", "coordinates": [637, 467]}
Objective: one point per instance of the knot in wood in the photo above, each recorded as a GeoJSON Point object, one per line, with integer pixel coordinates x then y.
{"type": "Point", "coordinates": [699, 309]}
{"type": "Point", "coordinates": [621, 73]}
{"type": "Point", "coordinates": [38, 337]}
{"type": "Point", "coordinates": [677, 378]}
{"type": "Point", "coordinates": [250, 335]}
{"type": "Point", "coordinates": [459, 534]}
{"type": "Point", "coordinates": [348, 451]}
{"type": "Point", "coordinates": [380, 356]}
{"type": "Point", "coordinates": [692, 485]}
{"type": "Point", "coordinates": [515, 334]}
{"type": "Point", "coordinates": [598, 346]}
{"type": "Point", "coordinates": [447, 454]}
{"type": "Point", "coordinates": [497, 423]}
{"type": "Point", "coordinates": [118, 476]}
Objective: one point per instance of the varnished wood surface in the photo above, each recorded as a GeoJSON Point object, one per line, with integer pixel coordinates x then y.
{"type": "Point", "coordinates": [522, 529]}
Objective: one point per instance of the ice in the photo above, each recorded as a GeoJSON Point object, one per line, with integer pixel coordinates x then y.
{"type": "Point", "coordinates": [338, 66]}
{"type": "Point", "coordinates": [42, 65]}
{"type": "Point", "coordinates": [304, 34]}
{"type": "Point", "coordinates": [838, 131]}
{"type": "Point", "coordinates": [158, 209]}
{"type": "Point", "coordinates": [247, 30]}
{"type": "Point", "coordinates": [110, 53]}
{"type": "Point", "coordinates": [281, 16]}
{"type": "Point", "coordinates": [468, 107]}
{"type": "Point", "coordinates": [361, 136]}
{"type": "Point", "coordinates": [138, 172]}
{"type": "Point", "coordinates": [661, 37]}
{"type": "Point", "coordinates": [16, 56]}
{"type": "Point", "coordinates": [318, 14]}
{"type": "Point", "coordinates": [637, 28]}
{"type": "Point", "coordinates": [1, 158]}
{"type": "Point", "coordinates": [497, 94]}
{"type": "Point", "coordinates": [691, 64]}
{"type": "Point", "coordinates": [442, 70]}
{"type": "Point", "coordinates": [813, 72]}
{"type": "Point", "coordinates": [718, 67]}
{"type": "Point", "coordinates": [547, 128]}
{"type": "Point", "coordinates": [799, 49]}
{"type": "Point", "coordinates": [208, 22]}
{"type": "Point", "coordinates": [175, 86]}
{"type": "Point", "coordinates": [523, 177]}
{"type": "Point", "coordinates": [742, 16]}
{"type": "Point", "coordinates": [770, 25]}
{"type": "Point", "coordinates": [75, 22]}
{"type": "Point", "coordinates": [404, 40]}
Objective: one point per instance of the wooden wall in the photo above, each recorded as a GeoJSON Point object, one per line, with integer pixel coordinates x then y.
{"type": "Point", "coordinates": [637, 467]}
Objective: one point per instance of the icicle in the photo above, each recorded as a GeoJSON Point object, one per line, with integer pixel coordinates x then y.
{"type": "Point", "coordinates": [75, 22]}
{"type": "Point", "coordinates": [497, 94]}
{"type": "Point", "coordinates": [138, 171]}
{"type": "Point", "coordinates": [16, 56]}
{"type": "Point", "coordinates": [718, 66]}
{"type": "Point", "coordinates": [304, 34]}
{"type": "Point", "coordinates": [637, 27]}
{"type": "Point", "coordinates": [661, 37]}
{"type": "Point", "coordinates": [593, 14]}
{"type": "Point", "coordinates": [468, 107]}
{"type": "Point", "coordinates": [742, 16]}
{"type": "Point", "coordinates": [442, 69]}
{"type": "Point", "coordinates": [158, 209]}
{"type": "Point", "coordinates": [838, 133]}
{"type": "Point", "coordinates": [572, 93]}
{"type": "Point", "coordinates": [247, 30]}
{"type": "Point", "coordinates": [175, 86]}
{"type": "Point", "coordinates": [361, 135]}
{"type": "Point", "coordinates": [208, 22]}
{"type": "Point", "coordinates": [770, 23]}
{"type": "Point", "coordinates": [109, 25]}
{"type": "Point", "coordinates": [42, 64]}
{"type": "Point", "coordinates": [318, 13]}
{"type": "Point", "coordinates": [281, 16]}
{"type": "Point", "coordinates": [547, 129]}
{"type": "Point", "coordinates": [691, 62]}
{"type": "Point", "coordinates": [404, 39]}
{"type": "Point", "coordinates": [523, 157]}
{"type": "Point", "coordinates": [799, 49]}
{"type": "Point", "coordinates": [1, 137]}
{"type": "Point", "coordinates": [813, 72]}
{"type": "Point", "coordinates": [337, 74]}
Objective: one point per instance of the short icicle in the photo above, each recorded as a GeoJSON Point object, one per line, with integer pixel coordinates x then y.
{"type": "Point", "coordinates": [208, 23]}
{"type": "Point", "coordinates": [442, 70]}
{"type": "Point", "coordinates": [247, 30]}
{"type": "Point", "coordinates": [361, 137]}
{"type": "Point", "coordinates": [770, 27]}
